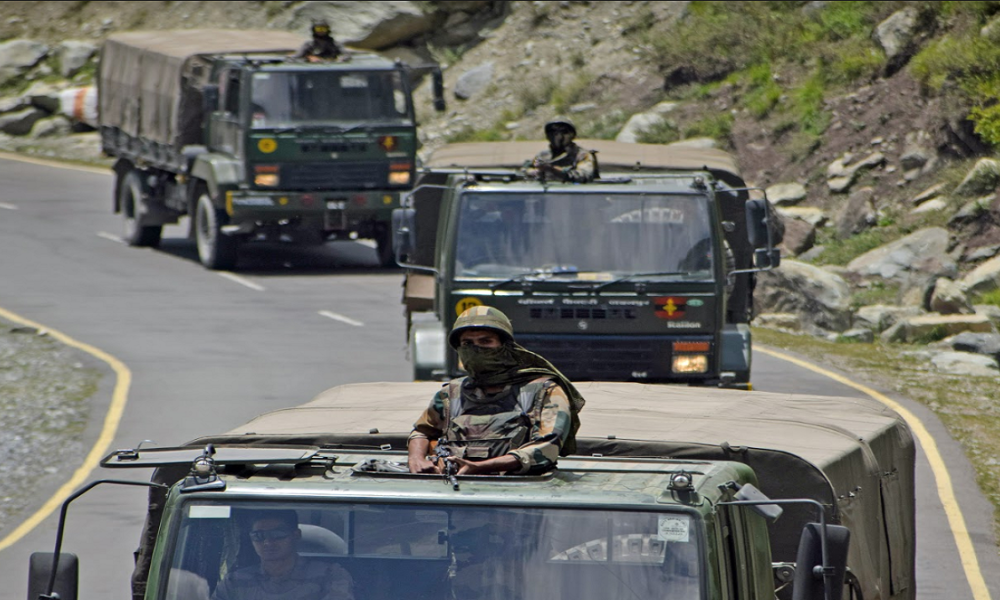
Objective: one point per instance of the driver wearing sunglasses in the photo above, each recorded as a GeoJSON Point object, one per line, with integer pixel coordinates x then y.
{"type": "Point", "coordinates": [282, 574]}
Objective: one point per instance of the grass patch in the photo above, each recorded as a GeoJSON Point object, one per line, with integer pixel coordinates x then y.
{"type": "Point", "coordinates": [878, 293]}
{"type": "Point", "coordinates": [664, 132]}
{"type": "Point", "coordinates": [564, 96]}
{"type": "Point", "coordinates": [717, 126]}
{"type": "Point", "coordinates": [842, 251]}
{"type": "Point", "coordinates": [968, 406]}
{"type": "Point", "coordinates": [763, 93]}
{"type": "Point", "coordinates": [605, 126]}
{"type": "Point", "coordinates": [992, 297]}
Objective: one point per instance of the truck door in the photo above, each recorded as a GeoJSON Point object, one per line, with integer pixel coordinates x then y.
{"type": "Point", "coordinates": [740, 566]}
{"type": "Point", "coordinates": [226, 129]}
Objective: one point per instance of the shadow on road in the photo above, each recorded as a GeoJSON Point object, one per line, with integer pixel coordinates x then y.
{"type": "Point", "coordinates": [275, 260]}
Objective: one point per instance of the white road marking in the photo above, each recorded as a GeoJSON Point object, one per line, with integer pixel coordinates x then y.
{"type": "Point", "coordinates": [341, 318]}
{"type": "Point", "coordinates": [57, 164]}
{"type": "Point", "coordinates": [8, 206]}
{"type": "Point", "coordinates": [110, 236]}
{"type": "Point", "coordinates": [244, 282]}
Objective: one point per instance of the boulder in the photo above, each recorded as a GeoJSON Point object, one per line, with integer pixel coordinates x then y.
{"type": "Point", "coordinates": [799, 236]}
{"type": "Point", "coordinates": [842, 173]}
{"type": "Point", "coordinates": [644, 121]}
{"type": "Point", "coordinates": [971, 211]}
{"type": "Point", "coordinates": [370, 25]}
{"type": "Point", "coordinates": [914, 261]}
{"type": "Point", "coordinates": [879, 317]}
{"type": "Point", "coordinates": [786, 194]}
{"type": "Point", "coordinates": [933, 205]}
{"type": "Point", "coordinates": [963, 363]}
{"type": "Point", "coordinates": [991, 31]}
{"type": "Point", "coordinates": [73, 55]}
{"type": "Point", "coordinates": [56, 126]}
{"type": "Point", "coordinates": [990, 311]}
{"type": "Point", "coordinates": [987, 344]}
{"type": "Point", "coordinates": [948, 298]}
{"type": "Point", "coordinates": [21, 55]}
{"type": "Point", "coordinates": [786, 321]}
{"type": "Point", "coordinates": [820, 298]}
{"type": "Point", "coordinates": [981, 180]}
{"type": "Point", "coordinates": [814, 216]}
{"type": "Point", "coordinates": [862, 336]}
{"type": "Point", "coordinates": [21, 122]}
{"type": "Point", "coordinates": [932, 192]}
{"type": "Point", "coordinates": [896, 32]}
{"type": "Point", "coordinates": [857, 214]}
{"type": "Point", "coordinates": [981, 253]}
{"type": "Point", "coordinates": [13, 104]}
{"type": "Point", "coordinates": [474, 80]}
{"type": "Point", "coordinates": [926, 327]}
{"type": "Point", "coordinates": [982, 279]}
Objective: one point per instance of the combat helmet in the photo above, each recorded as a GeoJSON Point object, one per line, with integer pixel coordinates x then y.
{"type": "Point", "coordinates": [482, 317]}
{"type": "Point", "coordinates": [320, 27]}
{"type": "Point", "coordinates": [560, 121]}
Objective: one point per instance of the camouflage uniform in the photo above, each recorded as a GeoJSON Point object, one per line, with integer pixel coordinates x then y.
{"type": "Point", "coordinates": [309, 580]}
{"type": "Point", "coordinates": [530, 421]}
{"type": "Point", "coordinates": [575, 164]}
{"type": "Point", "coordinates": [320, 47]}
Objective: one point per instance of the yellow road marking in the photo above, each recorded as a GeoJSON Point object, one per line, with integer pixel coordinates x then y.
{"type": "Point", "coordinates": [54, 163]}
{"type": "Point", "coordinates": [966, 551]}
{"type": "Point", "coordinates": [98, 450]}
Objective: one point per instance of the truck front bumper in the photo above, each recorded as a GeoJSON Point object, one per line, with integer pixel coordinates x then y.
{"type": "Point", "coordinates": [338, 211]}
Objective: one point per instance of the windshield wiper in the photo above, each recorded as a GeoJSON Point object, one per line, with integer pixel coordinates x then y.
{"type": "Point", "coordinates": [601, 286]}
{"type": "Point", "coordinates": [560, 270]}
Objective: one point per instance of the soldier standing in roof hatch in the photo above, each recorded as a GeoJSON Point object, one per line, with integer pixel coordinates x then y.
{"type": "Point", "coordinates": [321, 46]}
{"type": "Point", "coordinates": [514, 413]}
{"type": "Point", "coordinates": [563, 160]}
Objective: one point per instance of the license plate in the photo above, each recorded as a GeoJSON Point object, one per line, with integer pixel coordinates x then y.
{"type": "Point", "coordinates": [336, 204]}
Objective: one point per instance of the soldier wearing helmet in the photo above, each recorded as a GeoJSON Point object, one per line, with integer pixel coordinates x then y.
{"type": "Point", "coordinates": [513, 413]}
{"type": "Point", "coordinates": [321, 46]}
{"type": "Point", "coordinates": [564, 160]}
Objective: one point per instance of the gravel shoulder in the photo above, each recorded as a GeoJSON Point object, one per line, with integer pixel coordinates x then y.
{"type": "Point", "coordinates": [47, 391]}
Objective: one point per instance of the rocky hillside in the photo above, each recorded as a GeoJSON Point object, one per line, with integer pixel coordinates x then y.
{"type": "Point", "coordinates": [873, 126]}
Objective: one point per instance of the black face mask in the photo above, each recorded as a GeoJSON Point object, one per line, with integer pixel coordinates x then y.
{"type": "Point", "coordinates": [487, 365]}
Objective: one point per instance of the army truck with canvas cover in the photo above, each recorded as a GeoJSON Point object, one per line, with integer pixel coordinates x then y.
{"type": "Point", "coordinates": [645, 274]}
{"type": "Point", "coordinates": [664, 499]}
{"type": "Point", "coordinates": [225, 126]}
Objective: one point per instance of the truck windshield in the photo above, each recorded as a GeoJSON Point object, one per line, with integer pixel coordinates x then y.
{"type": "Point", "coordinates": [289, 99]}
{"type": "Point", "coordinates": [599, 237]}
{"type": "Point", "coordinates": [387, 552]}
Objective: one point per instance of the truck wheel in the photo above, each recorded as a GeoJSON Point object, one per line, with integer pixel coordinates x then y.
{"type": "Point", "coordinates": [131, 205]}
{"type": "Point", "coordinates": [383, 246]}
{"type": "Point", "coordinates": [216, 250]}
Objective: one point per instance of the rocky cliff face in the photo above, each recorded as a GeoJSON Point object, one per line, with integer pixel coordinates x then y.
{"type": "Point", "coordinates": [857, 121]}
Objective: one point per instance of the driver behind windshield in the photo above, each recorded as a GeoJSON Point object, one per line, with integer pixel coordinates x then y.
{"type": "Point", "coordinates": [282, 574]}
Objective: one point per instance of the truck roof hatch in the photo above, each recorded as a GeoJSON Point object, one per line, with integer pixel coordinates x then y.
{"type": "Point", "coordinates": [224, 455]}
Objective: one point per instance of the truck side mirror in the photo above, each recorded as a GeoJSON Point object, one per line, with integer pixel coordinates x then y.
{"type": "Point", "coordinates": [812, 577]}
{"type": "Point", "coordinates": [40, 573]}
{"type": "Point", "coordinates": [210, 98]}
{"type": "Point", "coordinates": [757, 223]}
{"type": "Point", "coordinates": [749, 491]}
{"type": "Point", "coordinates": [437, 85]}
{"type": "Point", "coordinates": [404, 233]}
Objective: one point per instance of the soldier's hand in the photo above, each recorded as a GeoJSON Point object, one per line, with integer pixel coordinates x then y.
{"type": "Point", "coordinates": [422, 465]}
{"type": "Point", "coordinates": [465, 467]}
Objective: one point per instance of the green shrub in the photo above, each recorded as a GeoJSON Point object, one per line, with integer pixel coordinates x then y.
{"type": "Point", "coordinates": [878, 293]}
{"type": "Point", "coordinates": [564, 96]}
{"type": "Point", "coordinates": [605, 126]}
{"type": "Point", "coordinates": [936, 334]}
{"type": "Point", "coordinates": [662, 133]}
{"type": "Point", "coordinates": [842, 251]}
{"type": "Point", "coordinates": [717, 126]}
{"type": "Point", "coordinates": [763, 93]}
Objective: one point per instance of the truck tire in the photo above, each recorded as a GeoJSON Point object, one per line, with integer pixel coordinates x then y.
{"type": "Point", "coordinates": [216, 250]}
{"type": "Point", "coordinates": [383, 246]}
{"type": "Point", "coordinates": [131, 205]}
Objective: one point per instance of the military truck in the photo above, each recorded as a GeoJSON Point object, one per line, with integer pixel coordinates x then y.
{"type": "Point", "coordinates": [645, 274]}
{"type": "Point", "coordinates": [226, 127]}
{"type": "Point", "coordinates": [672, 494]}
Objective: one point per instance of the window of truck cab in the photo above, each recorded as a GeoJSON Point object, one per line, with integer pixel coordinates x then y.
{"type": "Point", "coordinates": [280, 99]}
{"type": "Point", "coordinates": [436, 551]}
{"type": "Point", "coordinates": [588, 235]}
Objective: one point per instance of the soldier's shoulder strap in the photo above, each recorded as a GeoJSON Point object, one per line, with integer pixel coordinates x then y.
{"type": "Point", "coordinates": [526, 397]}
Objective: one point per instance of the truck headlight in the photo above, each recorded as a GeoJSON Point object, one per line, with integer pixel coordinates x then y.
{"type": "Point", "coordinates": [399, 178]}
{"type": "Point", "coordinates": [265, 176]}
{"type": "Point", "coordinates": [690, 363]}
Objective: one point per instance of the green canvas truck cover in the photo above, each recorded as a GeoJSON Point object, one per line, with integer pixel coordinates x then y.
{"type": "Point", "coordinates": [149, 84]}
{"type": "Point", "coordinates": [853, 455]}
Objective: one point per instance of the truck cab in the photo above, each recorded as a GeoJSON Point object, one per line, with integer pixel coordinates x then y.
{"type": "Point", "coordinates": [640, 276]}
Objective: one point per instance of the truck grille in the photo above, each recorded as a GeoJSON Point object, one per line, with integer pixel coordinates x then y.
{"type": "Point", "coordinates": [583, 313]}
{"type": "Point", "coordinates": [604, 358]}
{"type": "Point", "coordinates": [335, 176]}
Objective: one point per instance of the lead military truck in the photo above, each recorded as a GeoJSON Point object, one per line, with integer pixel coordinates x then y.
{"type": "Point", "coordinates": [226, 127]}
{"type": "Point", "coordinates": [646, 274]}
{"type": "Point", "coordinates": [672, 495]}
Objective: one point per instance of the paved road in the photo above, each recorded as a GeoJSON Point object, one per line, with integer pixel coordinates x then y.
{"type": "Point", "coordinates": [208, 352]}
